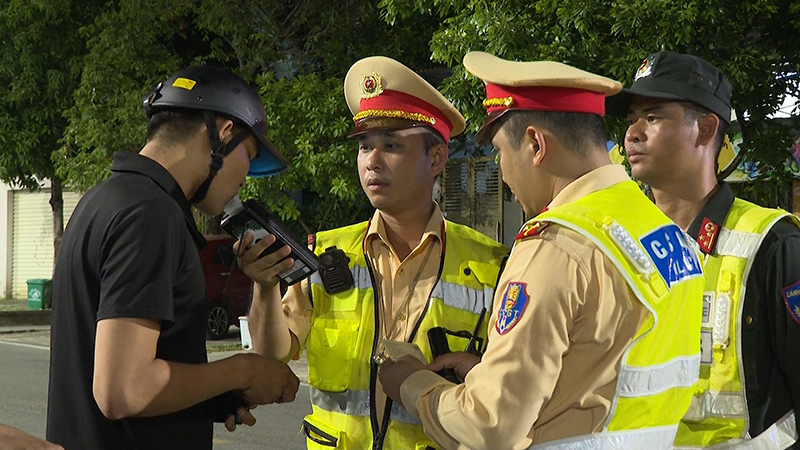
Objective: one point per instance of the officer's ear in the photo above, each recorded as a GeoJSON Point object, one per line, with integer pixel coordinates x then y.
{"type": "Point", "coordinates": [535, 144]}
{"type": "Point", "coordinates": [439, 155]}
{"type": "Point", "coordinates": [707, 127]}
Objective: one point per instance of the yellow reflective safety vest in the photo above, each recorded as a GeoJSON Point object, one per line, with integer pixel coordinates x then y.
{"type": "Point", "coordinates": [345, 329]}
{"type": "Point", "coordinates": [718, 412]}
{"type": "Point", "coordinates": [661, 364]}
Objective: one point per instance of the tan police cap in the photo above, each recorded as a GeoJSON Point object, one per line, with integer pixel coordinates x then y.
{"type": "Point", "coordinates": [384, 94]}
{"type": "Point", "coordinates": [536, 85]}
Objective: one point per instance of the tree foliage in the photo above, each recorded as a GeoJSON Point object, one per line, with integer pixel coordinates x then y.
{"type": "Point", "coordinates": [40, 63]}
{"type": "Point", "coordinates": [39, 67]}
{"type": "Point", "coordinates": [753, 42]}
{"type": "Point", "coordinates": [295, 53]}
{"type": "Point", "coordinates": [74, 73]}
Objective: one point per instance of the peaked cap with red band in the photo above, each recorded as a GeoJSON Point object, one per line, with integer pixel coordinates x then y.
{"type": "Point", "coordinates": [383, 94]}
{"type": "Point", "coordinates": [536, 86]}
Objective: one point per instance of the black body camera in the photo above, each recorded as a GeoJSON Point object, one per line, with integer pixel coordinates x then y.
{"type": "Point", "coordinates": [252, 217]}
{"type": "Point", "coordinates": [334, 271]}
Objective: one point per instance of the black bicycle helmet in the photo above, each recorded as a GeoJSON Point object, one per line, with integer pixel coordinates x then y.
{"type": "Point", "coordinates": [217, 90]}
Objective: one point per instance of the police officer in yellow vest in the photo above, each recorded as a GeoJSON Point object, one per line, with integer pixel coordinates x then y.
{"type": "Point", "coordinates": [678, 109]}
{"type": "Point", "coordinates": [411, 269]}
{"type": "Point", "coordinates": [594, 332]}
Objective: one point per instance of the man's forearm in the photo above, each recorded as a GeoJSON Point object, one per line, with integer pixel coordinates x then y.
{"type": "Point", "coordinates": [14, 439]}
{"type": "Point", "coordinates": [269, 329]}
{"type": "Point", "coordinates": [162, 387]}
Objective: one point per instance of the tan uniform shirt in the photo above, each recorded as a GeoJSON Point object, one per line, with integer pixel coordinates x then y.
{"type": "Point", "coordinates": [395, 278]}
{"type": "Point", "coordinates": [554, 373]}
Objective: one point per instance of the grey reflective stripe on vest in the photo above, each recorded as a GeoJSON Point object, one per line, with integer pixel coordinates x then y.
{"type": "Point", "coordinates": [462, 297]}
{"type": "Point", "coordinates": [645, 439]}
{"type": "Point", "coordinates": [355, 403]}
{"type": "Point", "coordinates": [401, 414]}
{"type": "Point", "coordinates": [739, 244]}
{"type": "Point", "coordinates": [642, 381]}
{"type": "Point", "coordinates": [360, 278]}
{"type": "Point", "coordinates": [724, 404]}
{"type": "Point", "coordinates": [719, 404]}
{"type": "Point", "coordinates": [453, 295]}
{"type": "Point", "coordinates": [782, 434]}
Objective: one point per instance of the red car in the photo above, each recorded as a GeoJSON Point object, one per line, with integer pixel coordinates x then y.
{"type": "Point", "coordinates": [228, 289]}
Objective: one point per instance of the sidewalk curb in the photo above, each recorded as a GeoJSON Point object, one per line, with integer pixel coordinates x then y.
{"type": "Point", "coordinates": [24, 329]}
{"type": "Point", "coordinates": [24, 318]}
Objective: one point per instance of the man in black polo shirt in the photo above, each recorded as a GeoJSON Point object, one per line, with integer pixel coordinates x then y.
{"type": "Point", "coordinates": [128, 366]}
{"type": "Point", "coordinates": [678, 110]}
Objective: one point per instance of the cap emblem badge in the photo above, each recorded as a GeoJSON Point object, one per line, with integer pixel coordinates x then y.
{"type": "Point", "coordinates": [645, 69]}
{"type": "Point", "coordinates": [371, 85]}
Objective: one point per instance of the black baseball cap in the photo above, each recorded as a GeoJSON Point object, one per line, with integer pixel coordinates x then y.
{"type": "Point", "coordinates": [676, 76]}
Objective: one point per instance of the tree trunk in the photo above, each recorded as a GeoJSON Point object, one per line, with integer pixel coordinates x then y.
{"type": "Point", "coordinates": [784, 197]}
{"type": "Point", "coordinates": [57, 205]}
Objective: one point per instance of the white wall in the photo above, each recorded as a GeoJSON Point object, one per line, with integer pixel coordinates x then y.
{"type": "Point", "coordinates": [6, 220]}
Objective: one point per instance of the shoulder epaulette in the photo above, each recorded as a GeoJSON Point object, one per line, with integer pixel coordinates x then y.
{"type": "Point", "coordinates": [707, 235]}
{"type": "Point", "coordinates": [312, 241]}
{"type": "Point", "coordinates": [532, 229]}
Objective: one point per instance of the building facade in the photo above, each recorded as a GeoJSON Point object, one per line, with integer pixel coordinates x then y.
{"type": "Point", "coordinates": [26, 236]}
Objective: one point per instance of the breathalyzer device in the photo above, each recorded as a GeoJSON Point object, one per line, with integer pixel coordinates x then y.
{"type": "Point", "coordinates": [251, 216]}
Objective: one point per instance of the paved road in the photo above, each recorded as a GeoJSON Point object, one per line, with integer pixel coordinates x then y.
{"type": "Point", "coordinates": [23, 386]}
{"type": "Point", "coordinates": [24, 363]}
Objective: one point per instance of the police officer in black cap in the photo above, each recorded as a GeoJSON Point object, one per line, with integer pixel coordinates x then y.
{"type": "Point", "coordinates": [678, 110]}
{"type": "Point", "coordinates": [128, 363]}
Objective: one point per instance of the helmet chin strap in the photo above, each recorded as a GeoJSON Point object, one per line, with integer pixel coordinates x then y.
{"type": "Point", "coordinates": [219, 150]}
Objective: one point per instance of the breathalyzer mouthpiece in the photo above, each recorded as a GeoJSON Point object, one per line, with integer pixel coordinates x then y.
{"type": "Point", "coordinates": [233, 207]}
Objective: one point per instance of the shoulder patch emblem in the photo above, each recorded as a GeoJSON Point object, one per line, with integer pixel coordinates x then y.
{"type": "Point", "coordinates": [514, 302]}
{"type": "Point", "coordinates": [791, 296]}
{"type": "Point", "coordinates": [531, 229]}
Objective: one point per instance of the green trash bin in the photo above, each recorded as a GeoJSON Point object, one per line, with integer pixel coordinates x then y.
{"type": "Point", "coordinates": [40, 293]}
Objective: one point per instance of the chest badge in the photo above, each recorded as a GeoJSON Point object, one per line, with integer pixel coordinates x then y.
{"type": "Point", "coordinates": [514, 302]}
{"type": "Point", "coordinates": [791, 296]}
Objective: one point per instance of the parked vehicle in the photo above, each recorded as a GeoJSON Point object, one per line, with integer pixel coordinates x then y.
{"type": "Point", "coordinates": [228, 289]}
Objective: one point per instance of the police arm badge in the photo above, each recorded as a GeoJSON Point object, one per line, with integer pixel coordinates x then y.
{"type": "Point", "coordinates": [515, 300]}
{"type": "Point", "coordinates": [791, 297]}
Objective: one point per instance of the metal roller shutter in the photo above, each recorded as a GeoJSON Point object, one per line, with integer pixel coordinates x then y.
{"type": "Point", "coordinates": [473, 194]}
{"type": "Point", "coordinates": [32, 236]}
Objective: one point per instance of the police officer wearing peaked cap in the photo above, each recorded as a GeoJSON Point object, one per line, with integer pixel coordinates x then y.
{"type": "Point", "coordinates": [128, 363]}
{"type": "Point", "coordinates": [412, 270]}
{"type": "Point", "coordinates": [678, 109]}
{"type": "Point", "coordinates": [593, 333]}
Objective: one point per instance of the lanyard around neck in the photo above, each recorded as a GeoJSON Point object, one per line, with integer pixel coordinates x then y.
{"type": "Point", "coordinates": [407, 298]}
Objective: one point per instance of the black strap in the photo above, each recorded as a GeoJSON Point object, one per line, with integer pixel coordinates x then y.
{"type": "Point", "coordinates": [218, 152]}
{"type": "Point", "coordinates": [200, 194]}
{"type": "Point", "coordinates": [213, 132]}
